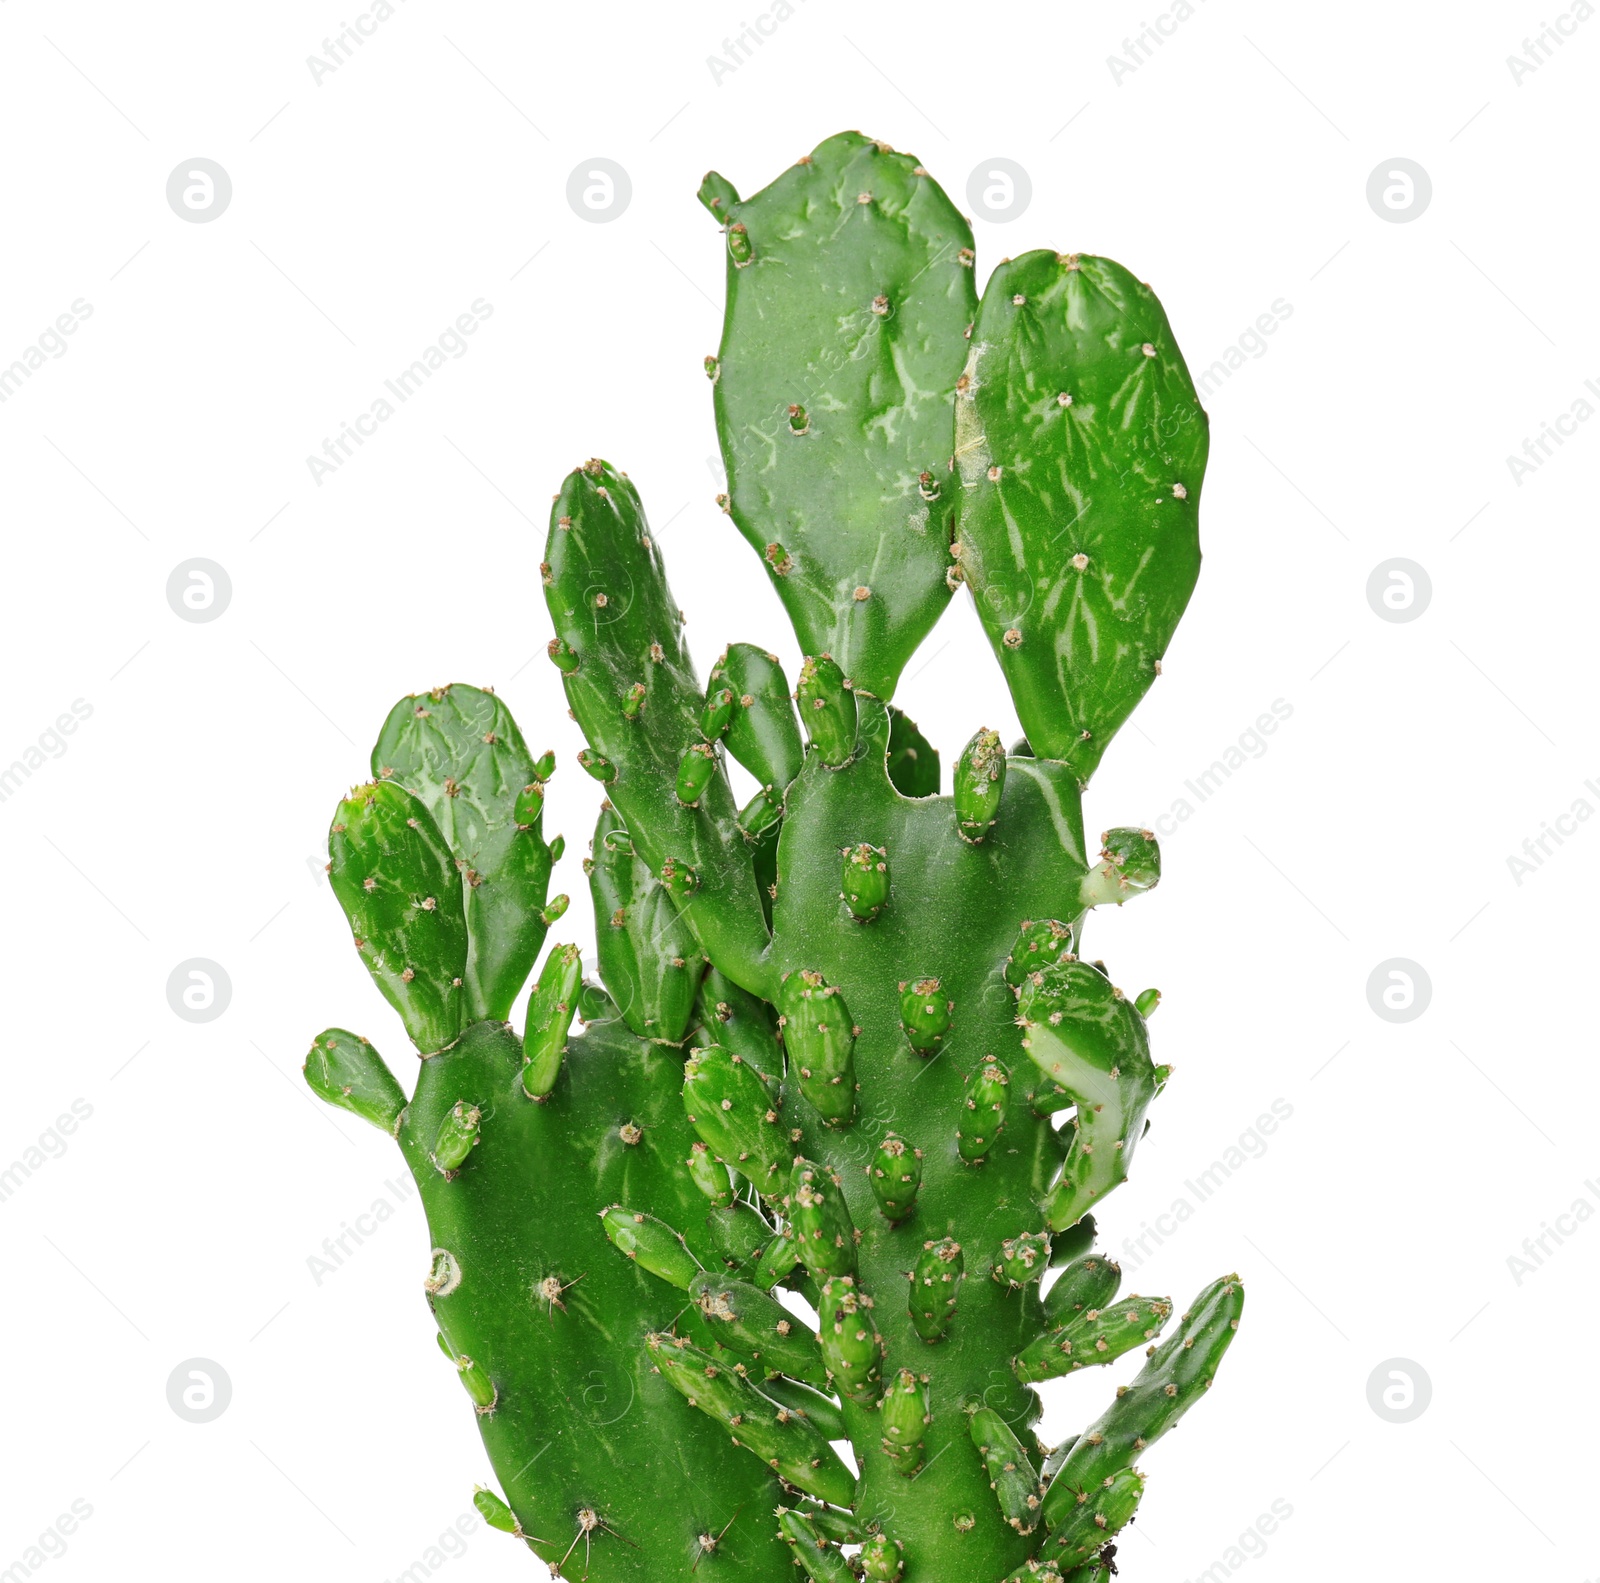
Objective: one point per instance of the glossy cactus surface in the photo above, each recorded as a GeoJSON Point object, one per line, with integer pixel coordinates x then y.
{"type": "Point", "coordinates": [848, 1049]}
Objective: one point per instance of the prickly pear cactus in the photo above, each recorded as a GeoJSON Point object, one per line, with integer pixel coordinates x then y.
{"type": "Point", "coordinates": [850, 1049]}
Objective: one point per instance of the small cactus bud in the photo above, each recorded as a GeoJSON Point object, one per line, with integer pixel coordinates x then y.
{"type": "Point", "coordinates": [865, 881]}
{"type": "Point", "coordinates": [819, 1220]}
{"type": "Point", "coordinates": [732, 1113]}
{"type": "Point", "coordinates": [739, 248]}
{"type": "Point", "coordinates": [495, 1512]}
{"type": "Point", "coordinates": [709, 1175]}
{"type": "Point", "coordinates": [778, 1258]}
{"type": "Point", "coordinates": [1038, 945]}
{"type": "Point", "coordinates": [545, 767]}
{"type": "Point", "coordinates": [1147, 1001]}
{"type": "Point", "coordinates": [934, 1282]}
{"type": "Point", "coordinates": [1089, 1282]}
{"type": "Point", "coordinates": [746, 1320]}
{"type": "Point", "coordinates": [925, 1015]}
{"type": "Point", "coordinates": [820, 1039]}
{"type": "Point", "coordinates": [550, 1010]}
{"type": "Point", "coordinates": [695, 769]}
{"type": "Point", "coordinates": [1023, 1259]}
{"type": "Point", "coordinates": [988, 1093]}
{"type": "Point", "coordinates": [1130, 863]}
{"type": "Point", "coordinates": [717, 713]}
{"type": "Point", "coordinates": [601, 768]}
{"type": "Point", "coordinates": [980, 782]}
{"type": "Point", "coordinates": [799, 420]}
{"type": "Point", "coordinates": [712, 367]}
{"type": "Point", "coordinates": [851, 1346]}
{"type": "Point", "coordinates": [827, 709]}
{"type": "Point", "coordinates": [475, 1379]}
{"type": "Point", "coordinates": [653, 1243]}
{"type": "Point", "coordinates": [880, 1559]}
{"type": "Point", "coordinates": [1094, 1337]}
{"type": "Point", "coordinates": [1012, 1476]}
{"type": "Point", "coordinates": [895, 1174]}
{"type": "Point", "coordinates": [903, 1417]}
{"type": "Point", "coordinates": [529, 806]}
{"type": "Point", "coordinates": [562, 655]}
{"type": "Point", "coordinates": [678, 879]}
{"type": "Point", "coordinates": [554, 909]}
{"type": "Point", "coordinates": [763, 811]}
{"type": "Point", "coordinates": [458, 1132]}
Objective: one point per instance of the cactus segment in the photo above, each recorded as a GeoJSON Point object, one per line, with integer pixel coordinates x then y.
{"type": "Point", "coordinates": [865, 881]}
{"type": "Point", "coordinates": [495, 1512]}
{"type": "Point", "coordinates": [746, 1320]}
{"type": "Point", "coordinates": [1023, 1259]}
{"type": "Point", "coordinates": [986, 1100]}
{"type": "Point", "coordinates": [828, 708]}
{"type": "Point", "coordinates": [788, 1443]}
{"type": "Point", "coordinates": [695, 769]}
{"type": "Point", "coordinates": [895, 1174]}
{"type": "Point", "coordinates": [778, 1260]}
{"type": "Point", "coordinates": [652, 1243]}
{"type": "Point", "coordinates": [550, 1012]}
{"type": "Point", "coordinates": [1012, 1476]}
{"type": "Point", "coordinates": [729, 1107]}
{"type": "Point", "coordinates": [825, 1414]}
{"type": "Point", "coordinates": [458, 1134]}
{"type": "Point", "coordinates": [1081, 447]}
{"type": "Point", "coordinates": [1088, 1039]}
{"type": "Point", "coordinates": [649, 957]}
{"type": "Point", "coordinates": [458, 751]}
{"type": "Point", "coordinates": [913, 761]}
{"type": "Point", "coordinates": [1130, 864]}
{"type": "Point", "coordinates": [820, 1039]}
{"type": "Point", "coordinates": [1039, 944]}
{"type": "Point", "coordinates": [476, 1383]}
{"type": "Point", "coordinates": [935, 1282]}
{"type": "Point", "coordinates": [925, 1015]}
{"type": "Point", "coordinates": [738, 1234]}
{"type": "Point", "coordinates": [719, 195]}
{"type": "Point", "coordinates": [763, 733]}
{"type": "Point", "coordinates": [395, 878]}
{"type": "Point", "coordinates": [979, 785]}
{"type": "Point", "coordinates": [741, 1023]}
{"type": "Point", "coordinates": [820, 1560]}
{"type": "Point", "coordinates": [903, 1415]}
{"type": "Point", "coordinates": [718, 712]}
{"type": "Point", "coordinates": [709, 1174]}
{"type": "Point", "coordinates": [1098, 1335]}
{"type": "Point", "coordinates": [849, 288]}
{"type": "Point", "coordinates": [1099, 1516]}
{"type": "Point", "coordinates": [851, 1346]}
{"type": "Point", "coordinates": [1089, 1282]}
{"type": "Point", "coordinates": [820, 1221]}
{"type": "Point", "coordinates": [881, 1558]}
{"type": "Point", "coordinates": [343, 1069]}
{"type": "Point", "coordinates": [1177, 1374]}
{"type": "Point", "coordinates": [609, 600]}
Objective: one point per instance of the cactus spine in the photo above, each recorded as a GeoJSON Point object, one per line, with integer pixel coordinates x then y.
{"type": "Point", "coordinates": [846, 1047]}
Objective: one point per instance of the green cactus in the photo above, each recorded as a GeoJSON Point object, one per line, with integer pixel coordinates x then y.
{"type": "Point", "coordinates": [847, 1048]}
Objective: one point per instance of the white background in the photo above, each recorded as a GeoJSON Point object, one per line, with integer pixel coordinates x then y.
{"type": "Point", "coordinates": [185, 817]}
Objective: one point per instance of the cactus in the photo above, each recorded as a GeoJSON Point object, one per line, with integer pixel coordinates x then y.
{"type": "Point", "coordinates": [847, 1047]}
